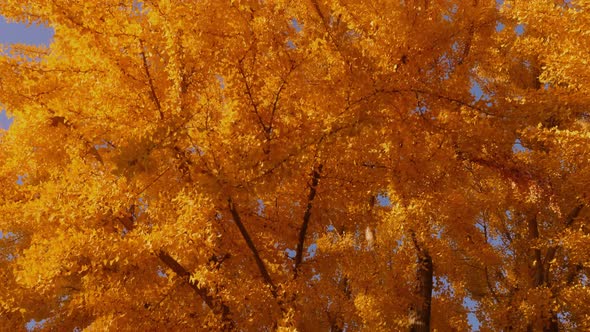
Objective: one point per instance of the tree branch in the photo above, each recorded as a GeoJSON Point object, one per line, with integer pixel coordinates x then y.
{"type": "Point", "coordinates": [535, 253]}
{"type": "Point", "coordinates": [318, 11]}
{"type": "Point", "coordinates": [307, 216]}
{"type": "Point", "coordinates": [261, 267]}
{"type": "Point", "coordinates": [551, 251]}
{"type": "Point", "coordinates": [420, 313]}
{"type": "Point", "coordinates": [150, 81]}
{"type": "Point", "coordinates": [215, 304]}
{"type": "Point", "coordinates": [251, 99]}
{"type": "Point", "coordinates": [274, 108]}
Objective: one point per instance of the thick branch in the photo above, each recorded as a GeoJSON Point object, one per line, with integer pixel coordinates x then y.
{"type": "Point", "coordinates": [571, 217]}
{"type": "Point", "coordinates": [183, 273]}
{"type": "Point", "coordinates": [250, 243]}
{"type": "Point", "coordinates": [217, 306]}
{"type": "Point", "coordinates": [540, 268]}
{"type": "Point", "coordinates": [307, 216]}
{"type": "Point", "coordinates": [318, 11]}
{"type": "Point", "coordinates": [550, 255]}
{"type": "Point", "coordinates": [536, 263]}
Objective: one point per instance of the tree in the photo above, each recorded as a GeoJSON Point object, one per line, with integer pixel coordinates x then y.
{"type": "Point", "coordinates": [309, 165]}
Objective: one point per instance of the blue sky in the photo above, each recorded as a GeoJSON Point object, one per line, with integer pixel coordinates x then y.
{"type": "Point", "coordinates": [11, 33]}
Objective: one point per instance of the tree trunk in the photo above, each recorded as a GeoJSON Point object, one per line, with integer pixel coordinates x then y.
{"type": "Point", "coordinates": [420, 313]}
{"type": "Point", "coordinates": [540, 273]}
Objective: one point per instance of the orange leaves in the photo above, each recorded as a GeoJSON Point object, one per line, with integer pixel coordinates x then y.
{"type": "Point", "coordinates": [142, 118]}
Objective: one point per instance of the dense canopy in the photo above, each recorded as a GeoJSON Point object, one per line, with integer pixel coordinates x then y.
{"type": "Point", "coordinates": [313, 165]}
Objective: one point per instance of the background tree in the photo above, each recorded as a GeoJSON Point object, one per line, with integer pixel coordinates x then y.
{"type": "Point", "coordinates": [310, 165]}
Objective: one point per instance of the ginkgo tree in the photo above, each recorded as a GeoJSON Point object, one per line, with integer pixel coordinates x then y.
{"type": "Point", "coordinates": [318, 165]}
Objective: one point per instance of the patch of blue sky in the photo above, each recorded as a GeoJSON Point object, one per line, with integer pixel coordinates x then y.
{"type": "Point", "coordinates": [447, 63]}
{"type": "Point", "coordinates": [449, 15]}
{"type": "Point", "coordinates": [442, 286]}
{"type": "Point", "coordinates": [160, 272]}
{"type": "Point", "coordinates": [479, 95]}
{"type": "Point", "coordinates": [494, 240]}
{"type": "Point", "coordinates": [5, 120]}
{"type": "Point", "coordinates": [18, 32]}
{"type": "Point", "coordinates": [221, 81]}
{"type": "Point", "coordinates": [476, 91]}
{"type": "Point", "coordinates": [31, 34]}
{"type": "Point", "coordinates": [517, 147]}
{"type": "Point", "coordinates": [142, 206]}
{"type": "Point", "coordinates": [519, 29]}
{"type": "Point", "coordinates": [311, 251]}
{"type": "Point", "coordinates": [420, 110]}
{"type": "Point", "coordinates": [290, 253]}
{"type": "Point", "coordinates": [260, 207]}
{"type": "Point", "coordinates": [6, 235]}
{"type": "Point", "coordinates": [196, 150]}
{"type": "Point", "coordinates": [138, 5]}
{"type": "Point", "coordinates": [64, 298]}
{"type": "Point", "coordinates": [471, 306]}
{"type": "Point", "coordinates": [101, 146]}
{"type": "Point", "coordinates": [296, 25]}
{"type": "Point", "coordinates": [383, 200]}
{"type": "Point", "coordinates": [34, 324]}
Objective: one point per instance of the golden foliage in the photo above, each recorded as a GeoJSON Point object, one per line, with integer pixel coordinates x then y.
{"type": "Point", "coordinates": [297, 165]}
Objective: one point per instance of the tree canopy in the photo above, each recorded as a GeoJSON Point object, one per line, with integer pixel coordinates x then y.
{"type": "Point", "coordinates": [317, 165]}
